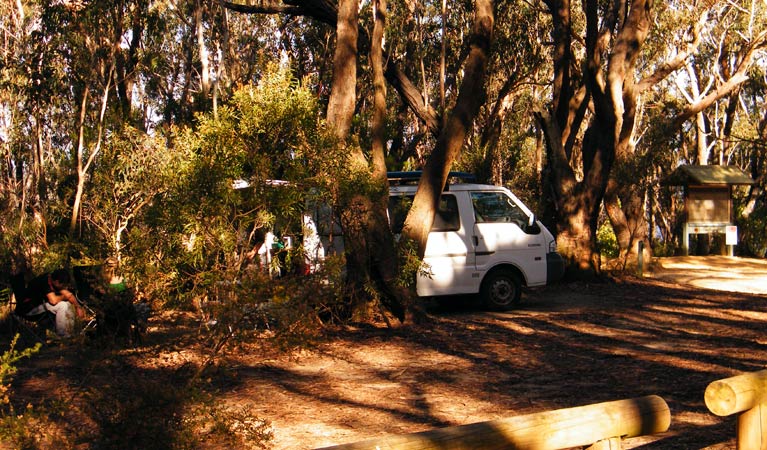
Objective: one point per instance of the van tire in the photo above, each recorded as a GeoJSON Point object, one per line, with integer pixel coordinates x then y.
{"type": "Point", "coordinates": [501, 290]}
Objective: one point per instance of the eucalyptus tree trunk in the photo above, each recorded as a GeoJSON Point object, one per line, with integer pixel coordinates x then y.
{"type": "Point", "coordinates": [491, 135]}
{"type": "Point", "coordinates": [577, 202]}
{"type": "Point", "coordinates": [355, 209]}
{"type": "Point", "coordinates": [625, 207]}
{"type": "Point", "coordinates": [385, 267]}
{"type": "Point", "coordinates": [451, 138]}
{"type": "Point", "coordinates": [202, 49]}
{"type": "Point", "coordinates": [127, 60]}
{"type": "Point", "coordinates": [624, 201]}
{"type": "Point", "coordinates": [82, 165]}
{"type": "Point", "coordinates": [369, 245]}
{"type": "Point", "coordinates": [81, 168]}
{"type": "Point", "coordinates": [343, 88]}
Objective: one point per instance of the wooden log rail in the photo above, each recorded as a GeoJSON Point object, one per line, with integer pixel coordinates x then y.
{"type": "Point", "coordinates": [601, 426]}
{"type": "Point", "coordinates": [745, 395]}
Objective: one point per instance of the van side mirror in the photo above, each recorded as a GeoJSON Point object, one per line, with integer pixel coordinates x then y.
{"type": "Point", "coordinates": [532, 226]}
{"type": "Point", "coordinates": [533, 229]}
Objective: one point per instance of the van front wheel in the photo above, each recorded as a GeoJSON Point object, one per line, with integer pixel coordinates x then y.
{"type": "Point", "coordinates": [501, 290]}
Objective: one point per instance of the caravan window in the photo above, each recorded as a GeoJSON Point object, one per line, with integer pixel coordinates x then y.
{"type": "Point", "coordinates": [446, 218]}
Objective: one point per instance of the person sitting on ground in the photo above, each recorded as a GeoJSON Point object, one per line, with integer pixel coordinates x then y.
{"type": "Point", "coordinates": [48, 292]}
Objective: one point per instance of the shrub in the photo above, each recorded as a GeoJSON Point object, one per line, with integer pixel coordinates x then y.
{"type": "Point", "coordinates": [753, 239]}
{"type": "Point", "coordinates": [19, 429]}
{"type": "Point", "coordinates": [607, 242]}
{"type": "Point", "coordinates": [8, 368]}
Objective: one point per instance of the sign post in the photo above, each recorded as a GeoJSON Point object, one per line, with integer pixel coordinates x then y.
{"type": "Point", "coordinates": [731, 239]}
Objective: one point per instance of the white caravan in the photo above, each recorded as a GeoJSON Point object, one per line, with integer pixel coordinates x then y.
{"type": "Point", "coordinates": [484, 241]}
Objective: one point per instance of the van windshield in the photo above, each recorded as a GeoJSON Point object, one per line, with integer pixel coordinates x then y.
{"type": "Point", "coordinates": [446, 218]}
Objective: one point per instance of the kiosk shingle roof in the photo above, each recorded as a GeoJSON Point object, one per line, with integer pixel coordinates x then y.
{"type": "Point", "coordinates": [707, 175]}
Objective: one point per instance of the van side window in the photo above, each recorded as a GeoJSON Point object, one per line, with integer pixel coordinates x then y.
{"type": "Point", "coordinates": [446, 218]}
{"type": "Point", "coordinates": [493, 207]}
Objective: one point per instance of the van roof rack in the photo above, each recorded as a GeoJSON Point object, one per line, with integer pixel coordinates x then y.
{"type": "Point", "coordinates": [413, 176]}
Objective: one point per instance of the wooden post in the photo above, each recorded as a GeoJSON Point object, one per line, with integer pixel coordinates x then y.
{"type": "Point", "coordinates": [745, 394]}
{"type": "Point", "coordinates": [752, 424]}
{"type": "Point", "coordinates": [563, 428]}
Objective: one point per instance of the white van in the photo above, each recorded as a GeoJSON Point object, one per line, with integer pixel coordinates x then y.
{"type": "Point", "coordinates": [484, 240]}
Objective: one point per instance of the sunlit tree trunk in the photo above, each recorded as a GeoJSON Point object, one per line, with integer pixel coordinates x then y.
{"type": "Point", "coordinates": [81, 168]}
{"type": "Point", "coordinates": [82, 165]}
{"type": "Point", "coordinates": [385, 264]}
{"type": "Point", "coordinates": [355, 208]}
{"type": "Point", "coordinates": [369, 246]}
{"type": "Point", "coordinates": [202, 49]}
{"type": "Point", "coordinates": [343, 89]}
{"type": "Point", "coordinates": [38, 177]}
{"type": "Point", "coordinates": [626, 210]}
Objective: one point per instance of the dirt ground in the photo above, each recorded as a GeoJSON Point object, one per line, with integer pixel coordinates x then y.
{"type": "Point", "coordinates": [684, 324]}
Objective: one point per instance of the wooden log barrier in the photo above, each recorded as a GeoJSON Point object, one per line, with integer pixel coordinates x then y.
{"type": "Point", "coordinates": [563, 428]}
{"type": "Point", "coordinates": [736, 394]}
{"type": "Point", "coordinates": [745, 395]}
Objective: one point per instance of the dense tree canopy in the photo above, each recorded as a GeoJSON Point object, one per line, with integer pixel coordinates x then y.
{"type": "Point", "coordinates": [125, 121]}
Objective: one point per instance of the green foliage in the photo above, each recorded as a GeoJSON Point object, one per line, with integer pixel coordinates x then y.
{"type": "Point", "coordinates": [8, 361]}
{"type": "Point", "coordinates": [21, 238]}
{"type": "Point", "coordinates": [663, 248]}
{"type": "Point", "coordinates": [411, 266]}
{"type": "Point", "coordinates": [195, 246]}
{"type": "Point", "coordinates": [33, 429]}
{"type": "Point", "coordinates": [607, 242]}
{"type": "Point", "coordinates": [133, 170]}
{"type": "Point", "coordinates": [207, 228]}
{"type": "Point", "coordinates": [513, 158]}
{"type": "Point", "coordinates": [16, 428]}
{"type": "Point", "coordinates": [753, 239]}
{"type": "Point", "coordinates": [356, 183]}
{"type": "Point", "coordinates": [286, 311]}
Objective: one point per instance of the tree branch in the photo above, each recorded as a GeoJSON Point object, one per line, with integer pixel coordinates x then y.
{"type": "Point", "coordinates": [738, 77]}
{"type": "Point", "coordinates": [325, 12]}
{"type": "Point", "coordinates": [412, 97]}
{"type": "Point", "coordinates": [677, 61]}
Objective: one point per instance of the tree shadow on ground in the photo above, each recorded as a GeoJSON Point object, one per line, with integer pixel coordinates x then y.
{"type": "Point", "coordinates": [566, 346]}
